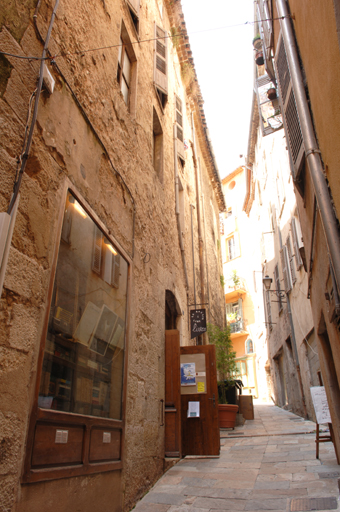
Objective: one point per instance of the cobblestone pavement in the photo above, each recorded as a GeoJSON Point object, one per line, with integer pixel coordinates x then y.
{"type": "Point", "coordinates": [267, 464]}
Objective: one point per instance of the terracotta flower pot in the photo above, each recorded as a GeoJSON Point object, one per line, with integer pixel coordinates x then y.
{"type": "Point", "coordinates": [227, 415]}
{"type": "Point", "coordinates": [271, 93]}
{"type": "Point", "coordinates": [257, 43]}
{"type": "Point", "coordinates": [259, 58]}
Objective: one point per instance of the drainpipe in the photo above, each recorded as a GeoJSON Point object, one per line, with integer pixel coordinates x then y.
{"type": "Point", "coordinates": [313, 156]}
{"type": "Point", "coordinates": [179, 228]}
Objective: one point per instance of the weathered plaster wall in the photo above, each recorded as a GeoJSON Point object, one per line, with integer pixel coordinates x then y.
{"type": "Point", "coordinates": [65, 146]}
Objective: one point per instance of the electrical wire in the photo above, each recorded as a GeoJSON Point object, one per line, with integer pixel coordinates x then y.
{"type": "Point", "coordinates": [81, 52]}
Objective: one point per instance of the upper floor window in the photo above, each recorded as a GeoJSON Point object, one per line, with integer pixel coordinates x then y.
{"type": "Point", "coordinates": [134, 6]}
{"type": "Point", "coordinates": [126, 70]}
{"type": "Point", "coordinates": [232, 247]}
{"type": "Point", "coordinates": [161, 65]}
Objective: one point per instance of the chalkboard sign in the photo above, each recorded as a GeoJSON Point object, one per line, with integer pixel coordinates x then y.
{"type": "Point", "coordinates": [198, 322]}
{"type": "Point", "coordinates": [320, 404]}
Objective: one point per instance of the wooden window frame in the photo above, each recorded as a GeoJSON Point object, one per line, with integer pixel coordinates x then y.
{"type": "Point", "coordinates": [127, 50]}
{"type": "Point", "coordinates": [160, 60]}
{"type": "Point", "coordinates": [66, 420]}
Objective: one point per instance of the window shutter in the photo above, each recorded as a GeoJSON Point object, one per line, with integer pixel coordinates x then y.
{"type": "Point", "coordinates": [268, 309]}
{"type": "Point", "coordinates": [179, 126]}
{"type": "Point", "coordinates": [115, 270]}
{"type": "Point", "coordinates": [134, 5]}
{"type": "Point", "coordinates": [97, 250]}
{"type": "Point", "coordinates": [277, 286]}
{"type": "Point", "coordinates": [290, 257]}
{"type": "Point", "coordinates": [160, 63]}
{"type": "Point", "coordinates": [237, 249]}
{"type": "Point", "coordinates": [286, 269]}
{"type": "Point", "coordinates": [290, 113]}
{"type": "Point", "coordinates": [266, 25]}
{"type": "Point", "coordinates": [298, 259]}
{"type": "Point", "coordinates": [229, 309]}
{"type": "Point", "coordinates": [240, 309]}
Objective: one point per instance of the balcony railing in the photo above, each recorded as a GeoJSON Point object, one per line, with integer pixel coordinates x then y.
{"type": "Point", "coordinates": [236, 326]}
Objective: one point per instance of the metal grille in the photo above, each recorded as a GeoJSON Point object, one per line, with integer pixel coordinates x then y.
{"type": "Point", "coordinates": [294, 131]}
{"type": "Point", "coordinates": [283, 71]}
{"type": "Point", "coordinates": [304, 504]}
{"type": "Point", "coordinates": [160, 65]}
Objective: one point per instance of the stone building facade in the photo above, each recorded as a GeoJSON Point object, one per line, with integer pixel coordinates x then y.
{"type": "Point", "coordinates": [104, 210]}
{"type": "Point", "coordinates": [241, 258]}
{"type": "Point", "coordinates": [303, 67]}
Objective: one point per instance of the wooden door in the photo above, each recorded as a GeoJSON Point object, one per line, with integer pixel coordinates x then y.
{"type": "Point", "coordinates": [172, 395]}
{"type": "Point", "coordinates": [200, 436]}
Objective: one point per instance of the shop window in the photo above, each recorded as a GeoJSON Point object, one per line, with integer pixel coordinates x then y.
{"type": "Point", "coordinates": [83, 361]}
{"type": "Point", "coordinates": [126, 70]}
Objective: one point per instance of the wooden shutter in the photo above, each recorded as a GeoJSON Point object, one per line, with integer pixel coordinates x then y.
{"type": "Point", "coordinates": [134, 5]}
{"type": "Point", "coordinates": [160, 63]}
{"type": "Point", "coordinates": [298, 259]}
{"type": "Point", "coordinates": [237, 249]}
{"type": "Point", "coordinates": [266, 29]}
{"type": "Point", "coordinates": [179, 126]}
{"type": "Point", "coordinates": [115, 270]}
{"type": "Point", "coordinates": [268, 309]}
{"type": "Point", "coordinates": [286, 269]}
{"type": "Point", "coordinates": [240, 308]}
{"type": "Point", "coordinates": [97, 250]}
{"type": "Point", "coordinates": [290, 258]}
{"type": "Point", "coordinates": [290, 113]}
{"type": "Point", "coordinates": [277, 285]}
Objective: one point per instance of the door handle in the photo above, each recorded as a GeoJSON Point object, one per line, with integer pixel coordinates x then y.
{"type": "Point", "coordinates": [213, 399]}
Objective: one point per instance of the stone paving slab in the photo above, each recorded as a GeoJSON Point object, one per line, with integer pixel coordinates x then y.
{"type": "Point", "coordinates": [264, 468]}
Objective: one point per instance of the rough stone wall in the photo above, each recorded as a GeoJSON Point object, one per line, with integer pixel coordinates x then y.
{"type": "Point", "coordinates": [66, 147]}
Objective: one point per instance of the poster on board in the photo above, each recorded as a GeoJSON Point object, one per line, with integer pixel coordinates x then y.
{"type": "Point", "coordinates": [320, 403]}
{"type": "Point", "coordinates": [188, 374]}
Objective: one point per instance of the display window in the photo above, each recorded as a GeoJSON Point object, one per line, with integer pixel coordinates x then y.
{"type": "Point", "coordinates": [82, 368]}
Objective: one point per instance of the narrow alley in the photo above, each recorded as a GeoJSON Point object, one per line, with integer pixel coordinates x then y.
{"type": "Point", "coordinates": [269, 463]}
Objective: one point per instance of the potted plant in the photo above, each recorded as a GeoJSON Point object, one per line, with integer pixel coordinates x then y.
{"type": "Point", "coordinates": [257, 43]}
{"type": "Point", "coordinates": [235, 278]}
{"type": "Point", "coordinates": [271, 93]}
{"type": "Point", "coordinates": [226, 366]}
{"type": "Point", "coordinates": [259, 58]}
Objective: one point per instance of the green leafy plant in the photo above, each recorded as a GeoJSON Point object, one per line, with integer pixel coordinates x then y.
{"type": "Point", "coordinates": [222, 280]}
{"type": "Point", "coordinates": [225, 358]}
{"type": "Point", "coordinates": [235, 278]}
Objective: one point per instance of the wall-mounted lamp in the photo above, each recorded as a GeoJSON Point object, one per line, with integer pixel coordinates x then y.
{"type": "Point", "coordinates": [267, 282]}
{"type": "Point", "coordinates": [110, 246]}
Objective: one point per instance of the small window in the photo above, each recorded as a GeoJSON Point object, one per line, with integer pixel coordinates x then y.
{"type": "Point", "coordinates": [277, 286]}
{"type": "Point", "coordinates": [179, 129]}
{"type": "Point", "coordinates": [249, 347]}
{"type": "Point", "coordinates": [126, 72]}
{"type": "Point", "coordinates": [290, 258]}
{"type": "Point", "coordinates": [233, 248]}
{"type": "Point", "coordinates": [157, 157]}
{"type": "Point", "coordinates": [134, 6]}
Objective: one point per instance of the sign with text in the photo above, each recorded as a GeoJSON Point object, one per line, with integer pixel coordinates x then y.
{"type": "Point", "coordinates": [198, 322]}
{"type": "Point", "coordinates": [320, 404]}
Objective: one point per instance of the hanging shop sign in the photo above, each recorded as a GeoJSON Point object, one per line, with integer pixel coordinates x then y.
{"type": "Point", "coordinates": [198, 322]}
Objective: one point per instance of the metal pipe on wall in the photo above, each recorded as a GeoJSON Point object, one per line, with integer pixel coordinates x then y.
{"type": "Point", "coordinates": [311, 149]}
